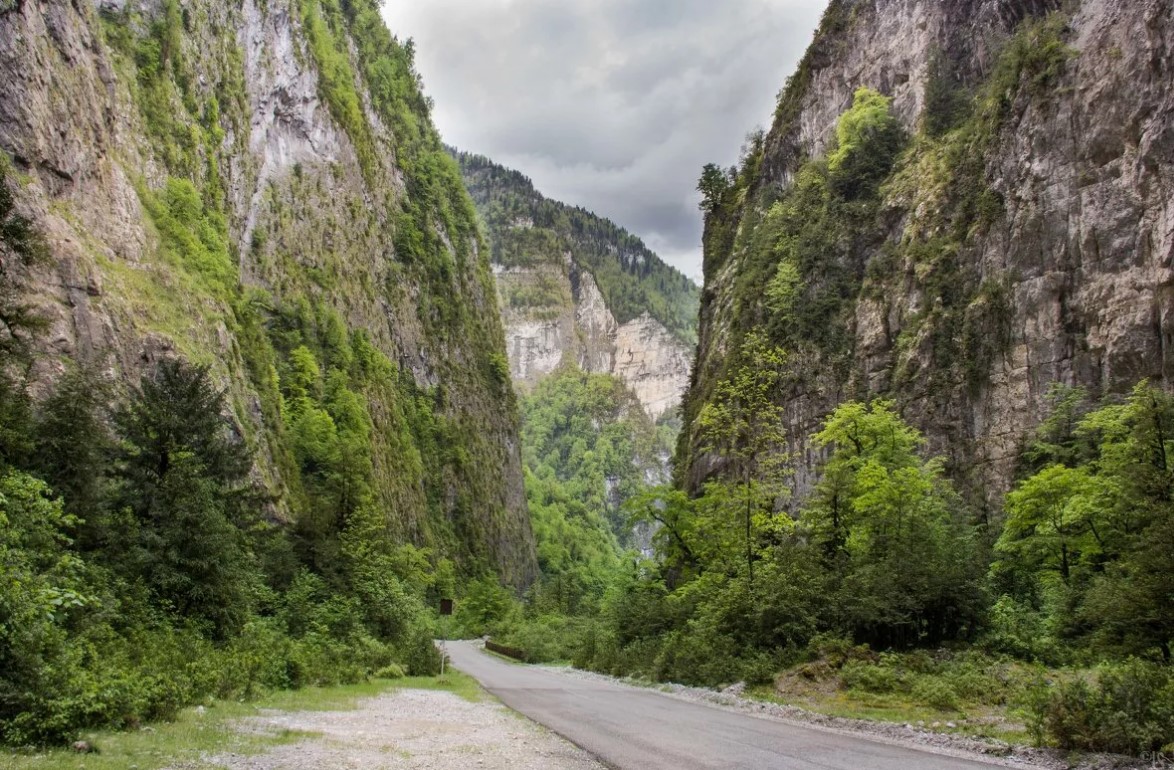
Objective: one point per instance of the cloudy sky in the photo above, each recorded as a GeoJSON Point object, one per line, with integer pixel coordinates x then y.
{"type": "Point", "coordinates": [614, 105]}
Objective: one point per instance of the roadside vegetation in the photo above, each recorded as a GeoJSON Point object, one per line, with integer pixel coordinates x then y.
{"type": "Point", "coordinates": [213, 728]}
{"type": "Point", "coordinates": [889, 591]}
{"type": "Point", "coordinates": [230, 521]}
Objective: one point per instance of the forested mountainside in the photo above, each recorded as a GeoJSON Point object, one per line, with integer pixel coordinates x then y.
{"type": "Point", "coordinates": [257, 406]}
{"type": "Point", "coordinates": [258, 187]}
{"type": "Point", "coordinates": [599, 333]}
{"type": "Point", "coordinates": [991, 216]}
{"type": "Point", "coordinates": [589, 448]}
{"type": "Point", "coordinates": [576, 288]}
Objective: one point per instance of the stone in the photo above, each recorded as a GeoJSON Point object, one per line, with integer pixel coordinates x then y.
{"type": "Point", "coordinates": [1086, 239]}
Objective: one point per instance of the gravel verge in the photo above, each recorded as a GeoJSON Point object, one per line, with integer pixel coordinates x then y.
{"type": "Point", "coordinates": [414, 729]}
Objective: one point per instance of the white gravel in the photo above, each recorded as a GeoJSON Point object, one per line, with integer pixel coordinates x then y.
{"type": "Point", "coordinates": [411, 729]}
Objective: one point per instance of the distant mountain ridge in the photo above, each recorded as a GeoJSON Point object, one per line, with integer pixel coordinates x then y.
{"type": "Point", "coordinates": [575, 287]}
{"type": "Point", "coordinates": [632, 278]}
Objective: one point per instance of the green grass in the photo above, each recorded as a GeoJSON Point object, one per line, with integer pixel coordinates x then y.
{"type": "Point", "coordinates": [194, 735]}
{"type": "Point", "coordinates": [971, 719]}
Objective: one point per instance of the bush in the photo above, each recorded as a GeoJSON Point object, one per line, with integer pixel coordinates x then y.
{"type": "Point", "coordinates": [936, 693]}
{"type": "Point", "coordinates": [390, 671]}
{"type": "Point", "coordinates": [868, 677]}
{"type": "Point", "coordinates": [546, 639]}
{"type": "Point", "coordinates": [420, 655]}
{"type": "Point", "coordinates": [1128, 708]}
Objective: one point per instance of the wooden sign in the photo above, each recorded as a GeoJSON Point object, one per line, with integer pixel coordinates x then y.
{"type": "Point", "coordinates": [446, 606]}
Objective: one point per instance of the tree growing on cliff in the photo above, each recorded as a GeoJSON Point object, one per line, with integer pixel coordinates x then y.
{"type": "Point", "coordinates": [713, 186]}
{"type": "Point", "coordinates": [743, 425]}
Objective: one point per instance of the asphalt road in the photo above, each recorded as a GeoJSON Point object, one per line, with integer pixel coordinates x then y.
{"type": "Point", "coordinates": [627, 727]}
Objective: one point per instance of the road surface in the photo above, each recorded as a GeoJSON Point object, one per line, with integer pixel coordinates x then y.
{"type": "Point", "coordinates": [628, 727]}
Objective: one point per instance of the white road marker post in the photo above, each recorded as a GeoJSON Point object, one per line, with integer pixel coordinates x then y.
{"type": "Point", "coordinates": [445, 612]}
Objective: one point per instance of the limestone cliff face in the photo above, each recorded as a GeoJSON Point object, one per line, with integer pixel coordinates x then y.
{"type": "Point", "coordinates": [972, 292]}
{"type": "Point", "coordinates": [151, 138]}
{"type": "Point", "coordinates": [563, 277]}
{"type": "Point", "coordinates": [642, 352]}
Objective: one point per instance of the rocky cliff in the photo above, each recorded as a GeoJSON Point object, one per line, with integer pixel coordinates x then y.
{"type": "Point", "coordinates": [240, 182]}
{"type": "Point", "coordinates": [1015, 229]}
{"type": "Point", "coordinates": [575, 288]}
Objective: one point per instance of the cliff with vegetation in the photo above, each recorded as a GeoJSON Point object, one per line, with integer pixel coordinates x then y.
{"type": "Point", "coordinates": [576, 289]}
{"type": "Point", "coordinates": [257, 186]}
{"type": "Point", "coordinates": [957, 205]}
{"type": "Point", "coordinates": [257, 411]}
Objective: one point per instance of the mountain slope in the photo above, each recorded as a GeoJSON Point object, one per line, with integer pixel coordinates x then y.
{"type": "Point", "coordinates": [575, 287]}
{"type": "Point", "coordinates": [990, 217]}
{"type": "Point", "coordinates": [258, 186]}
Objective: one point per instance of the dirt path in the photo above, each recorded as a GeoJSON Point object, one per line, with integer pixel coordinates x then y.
{"type": "Point", "coordinates": [411, 729]}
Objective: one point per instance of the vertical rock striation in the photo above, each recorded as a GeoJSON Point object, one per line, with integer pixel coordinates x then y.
{"type": "Point", "coordinates": [1024, 238]}
{"type": "Point", "coordinates": [144, 132]}
{"type": "Point", "coordinates": [576, 289]}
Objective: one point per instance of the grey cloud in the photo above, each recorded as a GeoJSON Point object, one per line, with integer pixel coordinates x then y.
{"type": "Point", "coordinates": [613, 105]}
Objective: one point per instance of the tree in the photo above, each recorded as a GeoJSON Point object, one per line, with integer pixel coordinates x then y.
{"type": "Point", "coordinates": [868, 140]}
{"type": "Point", "coordinates": [891, 529]}
{"type": "Point", "coordinates": [1052, 520]}
{"type": "Point", "coordinates": [42, 584]}
{"type": "Point", "coordinates": [1100, 518]}
{"type": "Point", "coordinates": [73, 445]}
{"type": "Point", "coordinates": [743, 426]}
{"type": "Point", "coordinates": [183, 483]}
{"type": "Point", "coordinates": [713, 185]}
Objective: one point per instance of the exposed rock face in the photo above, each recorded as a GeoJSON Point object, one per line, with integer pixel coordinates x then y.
{"type": "Point", "coordinates": [653, 364]}
{"type": "Point", "coordinates": [642, 352]}
{"type": "Point", "coordinates": [310, 213]}
{"type": "Point", "coordinates": [1083, 170]}
{"type": "Point", "coordinates": [576, 289]}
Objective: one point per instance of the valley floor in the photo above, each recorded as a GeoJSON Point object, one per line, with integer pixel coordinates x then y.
{"type": "Point", "coordinates": [413, 724]}
{"type": "Point", "coordinates": [414, 729]}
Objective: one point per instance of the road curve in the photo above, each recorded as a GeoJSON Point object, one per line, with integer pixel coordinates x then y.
{"type": "Point", "coordinates": [628, 727]}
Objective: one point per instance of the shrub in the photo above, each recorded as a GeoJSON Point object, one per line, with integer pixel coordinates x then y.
{"type": "Point", "coordinates": [390, 671]}
{"type": "Point", "coordinates": [1128, 708]}
{"type": "Point", "coordinates": [867, 677]}
{"type": "Point", "coordinates": [936, 693]}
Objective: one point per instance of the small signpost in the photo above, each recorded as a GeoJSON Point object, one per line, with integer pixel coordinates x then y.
{"type": "Point", "coordinates": [445, 611]}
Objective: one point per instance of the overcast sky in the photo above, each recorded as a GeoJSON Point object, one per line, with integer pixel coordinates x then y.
{"type": "Point", "coordinates": [613, 105]}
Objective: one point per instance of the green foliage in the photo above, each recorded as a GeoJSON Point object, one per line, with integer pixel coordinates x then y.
{"type": "Point", "coordinates": [181, 505]}
{"type": "Point", "coordinates": [1128, 708]}
{"type": "Point", "coordinates": [936, 694]}
{"type": "Point", "coordinates": [868, 140]}
{"type": "Point", "coordinates": [194, 237]}
{"type": "Point", "coordinates": [893, 530]}
{"type": "Point", "coordinates": [869, 678]}
{"type": "Point", "coordinates": [742, 425]}
{"type": "Point", "coordinates": [946, 101]}
{"type": "Point", "coordinates": [713, 186]}
{"type": "Point", "coordinates": [1093, 525]}
{"type": "Point", "coordinates": [529, 230]}
{"type": "Point", "coordinates": [484, 605]}
{"type": "Point", "coordinates": [588, 448]}
{"type": "Point", "coordinates": [882, 553]}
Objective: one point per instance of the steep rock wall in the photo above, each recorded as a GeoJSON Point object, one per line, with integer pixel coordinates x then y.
{"type": "Point", "coordinates": [112, 112]}
{"type": "Point", "coordinates": [575, 288]}
{"type": "Point", "coordinates": [1071, 239]}
{"type": "Point", "coordinates": [652, 362]}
